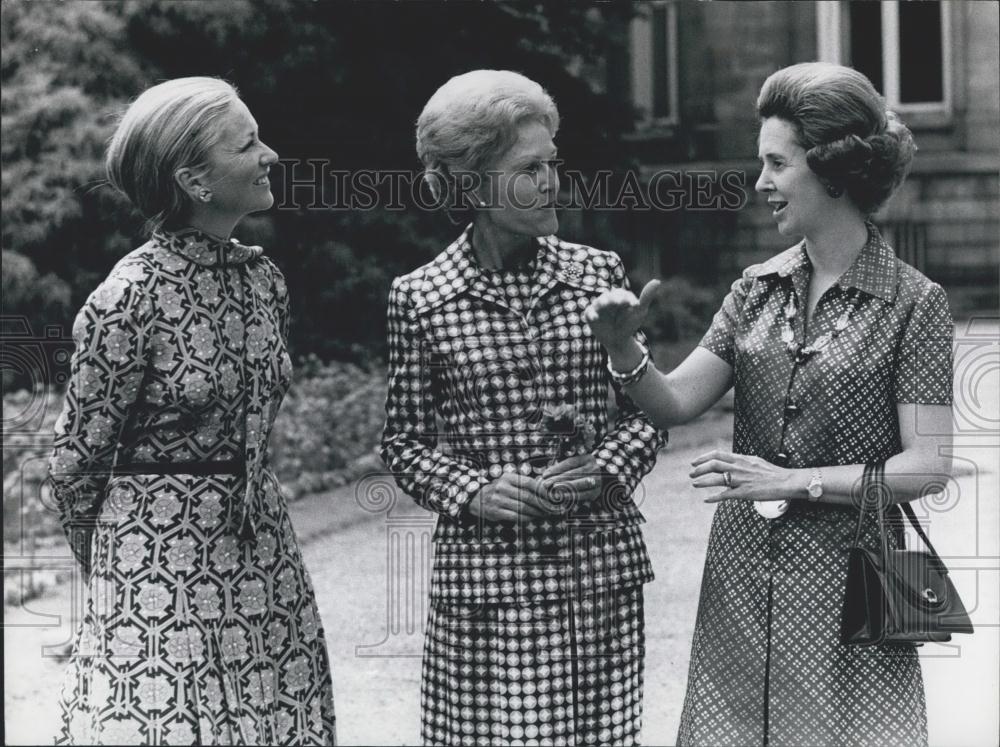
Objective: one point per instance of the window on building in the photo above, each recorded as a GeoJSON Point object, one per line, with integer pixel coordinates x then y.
{"type": "Point", "coordinates": [865, 37]}
{"type": "Point", "coordinates": [903, 48]}
{"type": "Point", "coordinates": [921, 52]}
{"type": "Point", "coordinates": [654, 63]}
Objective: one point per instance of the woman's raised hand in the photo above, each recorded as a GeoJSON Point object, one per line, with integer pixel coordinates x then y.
{"type": "Point", "coordinates": [617, 314]}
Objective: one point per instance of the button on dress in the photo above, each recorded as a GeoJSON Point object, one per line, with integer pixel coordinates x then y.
{"type": "Point", "coordinates": [767, 665]}
{"type": "Point", "coordinates": [200, 624]}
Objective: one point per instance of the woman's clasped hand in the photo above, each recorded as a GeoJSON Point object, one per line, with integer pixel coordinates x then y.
{"type": "Point", "coordinates": [514, 497]}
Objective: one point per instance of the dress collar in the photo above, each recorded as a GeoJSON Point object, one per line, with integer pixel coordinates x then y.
{"type": "Point", "coordinates": [457, 271]}
{"type": "Point", "coordinates": [205, 249]}
{"type": "Point", "coordinates": [464, 245]}
{"type": "Point", "coordinates": [874, 271]}
{"type": "Point", "coordinates": [472, 275]}
{"type": "Point", "coordinates": [553, 262]}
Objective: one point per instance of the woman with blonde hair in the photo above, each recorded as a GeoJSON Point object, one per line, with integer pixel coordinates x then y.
{"type": "Point", "coordinates": [496, 419]}
{"type": "Point", "coordinates": [200, 625]}
{"type": "Point", "coordinates": [837, 350]}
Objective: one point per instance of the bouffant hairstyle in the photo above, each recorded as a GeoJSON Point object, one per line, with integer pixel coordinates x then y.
{"type": "Point", "coordinates": [471, 121]}
{"type": "Point", "coordinates": [853, 143]}
{"type": "Point", "coordinates": [170, 126]}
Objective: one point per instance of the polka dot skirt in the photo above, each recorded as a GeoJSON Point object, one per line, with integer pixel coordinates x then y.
{"type": "Point", "coordinates": [559, 673]}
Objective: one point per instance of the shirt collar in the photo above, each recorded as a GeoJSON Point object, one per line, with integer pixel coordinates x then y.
{"type": "Point", "coordinates": [788, 263]}
{"type": "Point", "coordinates": [555, 262]}
{"type": "Point", "coordinates": [463, 245]}
{"type": "Point", "coordinates": [204, 249]}
{"type": "Point", "coordinates": [874, 271]}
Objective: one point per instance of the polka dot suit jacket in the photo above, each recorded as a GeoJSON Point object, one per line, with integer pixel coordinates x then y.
{"type": "Point", "coordinates": [474, 358]}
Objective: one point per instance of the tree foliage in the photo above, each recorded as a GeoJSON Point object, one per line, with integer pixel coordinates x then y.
{"type": "Point", "coordinates": [63, 75]}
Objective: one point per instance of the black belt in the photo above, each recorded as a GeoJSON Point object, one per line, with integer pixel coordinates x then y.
{"type": "Point", "coordinates": [217, 467]}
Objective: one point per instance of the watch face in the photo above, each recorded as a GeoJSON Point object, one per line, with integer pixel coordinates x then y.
{"type": "Point", "coordinates": [815, 489]}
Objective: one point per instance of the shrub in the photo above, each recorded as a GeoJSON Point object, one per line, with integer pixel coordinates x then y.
{"type": "Point", "coordinates": [29, 420]}
{"type": "Point", "coordinates": [682, 310]}
{"type": "Point", "coordinates": [332, 416]}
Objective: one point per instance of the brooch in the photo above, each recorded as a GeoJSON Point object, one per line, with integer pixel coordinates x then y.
{"type": "Point", "coordinates": [573, 270]}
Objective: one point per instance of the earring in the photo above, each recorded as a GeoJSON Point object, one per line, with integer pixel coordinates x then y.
{"type": "Point", "coordinates": [205, 195]}
{"type": "Point", "coordinates": [834, 191]}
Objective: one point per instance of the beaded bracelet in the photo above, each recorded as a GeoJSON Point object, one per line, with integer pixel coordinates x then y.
{"type": "Point", "coordinates": [631, 377]}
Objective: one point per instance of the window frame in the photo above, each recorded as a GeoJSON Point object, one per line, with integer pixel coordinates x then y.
{"type": "Point", "coordinates": [832, 40]}
{"type": "Point", "coordinates": [642, 74]}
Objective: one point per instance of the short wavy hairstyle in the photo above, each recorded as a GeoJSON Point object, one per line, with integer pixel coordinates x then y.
{"type": "Point", "coordinates": [170, 126]}
{"type": "Point", "coordinates": [853, 142]}
{"type": "Point", "coordinates": [472, 120]}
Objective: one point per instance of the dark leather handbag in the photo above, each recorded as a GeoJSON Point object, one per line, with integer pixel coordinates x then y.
{"type": "Point", "coordinates": [897, 596]}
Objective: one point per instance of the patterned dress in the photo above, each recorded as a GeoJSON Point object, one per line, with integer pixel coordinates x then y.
{"type": "Point", "coordinates": [535, 631]}
{"type": "Point", "coordinates": [200, 625]}
{"type": "Point", "coordinates": [767, 665]}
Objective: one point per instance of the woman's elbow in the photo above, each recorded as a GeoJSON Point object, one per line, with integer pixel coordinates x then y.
{"type": "Point", "coordinates": [936, 463]}
{"type": "Point", "coordinates": [944, 466]}
{"type": "Point", "coordinates": [929, 474]}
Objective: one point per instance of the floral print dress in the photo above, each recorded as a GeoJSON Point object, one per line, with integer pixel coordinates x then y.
{"type": "Point", "coordinates": [200, 625]}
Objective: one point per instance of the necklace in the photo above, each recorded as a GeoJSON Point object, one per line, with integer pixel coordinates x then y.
{"type": "Point", "coordinates": [821, 342]}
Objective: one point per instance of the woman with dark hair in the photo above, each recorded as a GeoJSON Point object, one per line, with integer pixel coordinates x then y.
{"type": "Point", "coordinates": [838, 351]}
{"type": "Point", "coordinates": [201, 625]}
{"type": "Point", "coordinates": [496, 419]}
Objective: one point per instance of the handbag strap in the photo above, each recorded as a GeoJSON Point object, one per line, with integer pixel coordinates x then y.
{"type": "Point", "coordinates": [908, 511]}
{"type": "Point", "coordinates": [862, 497]}
{"type": "Point", "coordinates": [880, 490]}
{"type": "Point", "coordinates": [872, 485]}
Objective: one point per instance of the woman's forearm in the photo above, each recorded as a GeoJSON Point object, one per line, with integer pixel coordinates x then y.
{"type": "Point", "coordinates": [680, 396]}
{"type": "Point", "coordinates": [909, 475]}
{"type": "Point", "coordinates": [652, 393]}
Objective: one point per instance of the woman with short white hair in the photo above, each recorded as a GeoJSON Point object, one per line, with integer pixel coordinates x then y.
{"type": "Point", "coordinates": [496, 419]}
{"type": "Point", "coordinates": [201, 624]}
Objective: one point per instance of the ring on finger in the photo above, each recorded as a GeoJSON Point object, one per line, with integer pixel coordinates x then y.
{"type": "Point", "coordinates": [727, 478]}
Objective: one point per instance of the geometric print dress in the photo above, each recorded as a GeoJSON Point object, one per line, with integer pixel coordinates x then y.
{"type": "Point", "coordinates": [200, 624]}
{"type": "Point", "coordinates": [767, 664]}
{"type": "Point", "coordinates": [535, 632]}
